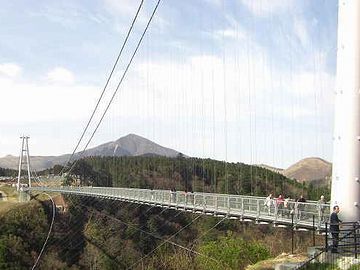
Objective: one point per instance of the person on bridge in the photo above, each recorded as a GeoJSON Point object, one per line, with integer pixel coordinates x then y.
{"type": "Point", "coordinates": [173, 195]}
{"type": "Point", "coordinates": [301, 207]}
{"type": "Point", "coordinates": [268, 202]}
{"type": "Point", "coordinates": [280, 205]}
{"type": "Point", "coordinates": [287, 206]}
{"type": "Point", "coordinates": [322, 207]}
{"type": "Point", "coordinates": [334, 228]}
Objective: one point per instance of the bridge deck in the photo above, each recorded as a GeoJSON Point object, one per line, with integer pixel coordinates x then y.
{"type": "Point", "coordinates": [304, 215]}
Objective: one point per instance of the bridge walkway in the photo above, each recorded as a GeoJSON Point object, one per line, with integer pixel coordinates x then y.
{"type": "Point", "coordinates": [246, 208]}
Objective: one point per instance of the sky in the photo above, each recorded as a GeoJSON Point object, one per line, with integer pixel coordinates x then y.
{"type": "Point", "coordinates": [237, 80]}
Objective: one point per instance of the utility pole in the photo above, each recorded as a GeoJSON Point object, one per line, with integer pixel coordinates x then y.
{"type": "Point", "coordinates": [24, 159]}
{"type": "Point", "coordinates": [345, 184]}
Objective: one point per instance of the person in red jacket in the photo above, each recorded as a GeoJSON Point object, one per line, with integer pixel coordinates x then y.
{"type": "Point", "coordinates": [280, 204]}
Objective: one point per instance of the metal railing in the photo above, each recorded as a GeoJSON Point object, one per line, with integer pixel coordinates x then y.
{"type": "Point", "coordinates": [348, 241]}
{"type": "Point", "coordinates": [231, 206]}
{"type": "Point", "coordinates": [344, 242]}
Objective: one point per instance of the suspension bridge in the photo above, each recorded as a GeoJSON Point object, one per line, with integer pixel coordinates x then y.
{"type": "Point", "coordinates": [245, 208]}
{"type": "Point", "coordinates": [346, 169]}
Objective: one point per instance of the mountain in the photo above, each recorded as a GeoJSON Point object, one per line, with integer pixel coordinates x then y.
{"type": "Point", "coordinates": [273, 169]}
{"type": "Point", "coordinates": [36, 162]}
{"type": "Point", "coordinates": [130, 145]}
{"type": "Point", "coordinates": [309, 169]}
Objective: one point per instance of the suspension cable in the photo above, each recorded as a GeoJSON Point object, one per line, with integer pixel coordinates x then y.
{"type": "Point", "coordinates": [164, 242]}
{"type": "Point", "coordinates": [118, 86]}
{"type": "Point", "coordinates": [50, 229]}
{"type": "Point", "coordinates": [159, 238]}
{"type": "Point", "coordinates": [106, 84]}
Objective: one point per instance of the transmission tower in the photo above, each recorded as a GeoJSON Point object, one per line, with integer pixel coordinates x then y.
{"type": "Point", "coordinates": [24, 159]}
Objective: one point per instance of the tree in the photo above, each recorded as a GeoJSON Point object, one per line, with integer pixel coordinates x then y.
{"type": "Point", "coordinates": [230, 253]}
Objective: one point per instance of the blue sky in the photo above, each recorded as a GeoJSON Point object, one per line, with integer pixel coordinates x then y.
{"type": "Point", "coordinates": [236, 80]}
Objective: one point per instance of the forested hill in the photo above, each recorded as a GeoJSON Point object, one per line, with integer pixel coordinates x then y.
{"type": "Point", "coordinates": [191, 174]}
{"type": "Point", "coordinates": [8, 172]}
{"type": "Point", "coordinates": [110, 234]}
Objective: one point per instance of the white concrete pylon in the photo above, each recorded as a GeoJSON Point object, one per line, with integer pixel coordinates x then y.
{"type": "Point", "coordinates": [22, 161]}
{"type": "Point", "coordinates": [345, 188]}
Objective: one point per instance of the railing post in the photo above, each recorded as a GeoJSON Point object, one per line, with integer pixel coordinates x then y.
{"type": "Point", "coordinates": [313, 224]}
{"type": "Point", "coordinates": [228, 202]}
{"type": "Point", "coordinates": [204, 203]}
{"type": "Point", "coordinates": [216, 203]}
{"type": "Point", "coordinates": [355, 240]}
{"type": "Point", "coordinates": [257, 209]}
{"type": "Point", "coordinates": [186, 200]}
{"type": "Point", "coordinates": [292, 233]}
{"type": "Point", "coordinates": [242, 207]}
{"type": "Point", "coordinates": [326, 237]}
{"type": "Point", "coordinates": [176, 199]}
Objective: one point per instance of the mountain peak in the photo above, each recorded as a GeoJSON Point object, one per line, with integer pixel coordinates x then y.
{"type": "Point", "coordinates": [129, 145]}
{"type": "Point", "coordinates": [307, 169]}
{"type": "Point", "coordinates": [135, 145]}
{"type": "Point", "coordinates": [132, 135]}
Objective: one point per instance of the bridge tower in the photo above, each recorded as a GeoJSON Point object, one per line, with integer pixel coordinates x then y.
{"type": "Point", "coordinates": [24, 159]}
{"type": "Point", "coordinates": [345, 188]}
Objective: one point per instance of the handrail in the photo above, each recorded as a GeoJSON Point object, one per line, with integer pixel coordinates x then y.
{"type": "Point", "coordinates": [237, 206]}
{"type": "Point", "coordinates": [355, 226]}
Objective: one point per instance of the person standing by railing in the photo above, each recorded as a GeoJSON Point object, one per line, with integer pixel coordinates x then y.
{"type": "Point", "coordinates": [335, 228]}
{"type": "Point", "coordinates": [280, 205]}
{"type": "Point", "coordinates": [267, 203]}
{"type": "Point", "coordinates": [301, 207]}
{"type": "Point", "coordinates": [287, 206]}
{"type": "Point", "coordinates": [173, 195]}
{"type": "Point", "coordinates": [322, 207]}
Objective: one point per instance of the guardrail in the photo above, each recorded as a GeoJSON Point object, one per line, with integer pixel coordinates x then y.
{"type": "Point", "coordinates": [345, 244]}
{"type": "Point", "coordinates": [232, 206]}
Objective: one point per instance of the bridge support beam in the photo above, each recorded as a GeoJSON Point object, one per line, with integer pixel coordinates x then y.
{"type": "Point", "coordinates": [22, 161]}
{"type": "Point", "coordinates": [345, 188]}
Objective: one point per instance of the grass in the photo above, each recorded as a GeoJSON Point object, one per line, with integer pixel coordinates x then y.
{"type": "Point", "coordinates": [270, 263]}
{"type": "Point", "coordinates": [12, 198]}
{"type": "Point", "coordinates": [10, 192]}
{"type": "Point", "coordinates": [6, 206]}
{"type": "Point", "coordinates": [13, 201]}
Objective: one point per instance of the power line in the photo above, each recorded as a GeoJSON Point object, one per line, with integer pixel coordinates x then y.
{"type": "Point", "coordinates": [106, 84]}
{"type": "Point", "coordinates": [118, 86]}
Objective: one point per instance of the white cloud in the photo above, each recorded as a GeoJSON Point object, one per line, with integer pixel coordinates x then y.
{"type": "Point", "coordinates": [43, 101]}
{"type": "Point", "coordinates": [10, 69]}
{"type": "Point", "coordinates": [230, 34]}
{"type": "Point", "coordinates": [123, 12]}
{"type": "Point", "coordinates": [246, 79]}
{"type": "Point", "coordinates": [124, 7]}
{"type": "Point", "coordinates": [60, 75]}
{"type": "Point", "coordinates": [216, 3]}
{"type": "Point", "coordinates": [301, 32]}
{"type": "Point", "coordinates": [264, 8]}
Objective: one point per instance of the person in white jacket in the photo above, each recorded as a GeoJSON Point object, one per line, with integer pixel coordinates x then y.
{"type": "Point", "coordinates": [268, 202]}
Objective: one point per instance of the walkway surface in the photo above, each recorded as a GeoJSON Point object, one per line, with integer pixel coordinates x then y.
{"type": "Point", "coordinates": [302, 215]}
